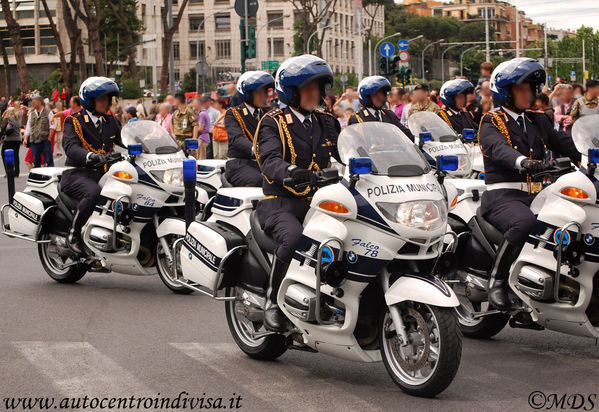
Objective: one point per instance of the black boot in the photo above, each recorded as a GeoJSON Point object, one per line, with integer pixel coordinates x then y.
{"type": "Point", "coordinates": [74, 238]}
{"type": "Point", "coordinates": [274, 319]}
{"type": "Point", "coordinates": [498, 282]}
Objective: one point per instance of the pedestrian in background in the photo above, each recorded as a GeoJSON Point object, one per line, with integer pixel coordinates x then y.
{"type": "Point", "coordinates": [587, 104]}
{"type": "Point", "coordinates": [562, 117]}
{"type": "Point", "coordinates": [329, 102]}
{"type": "Point", "coordinates": [423, 102]}
{"type": "Point", "coordinates": [56, 123]}
{"type": "Point", "coordinates": [131, 114]}
{"type": "Point", "coordinates": [220, 143]}
{"type": "Point", "coordinates": [213, 114]}
{"type": "Point", "coordinates": [163, 118]}
{"type": "Point", "coordinates": [203, 126]}
{"type": "Point", "coordinates": [349, 101]}
{"type": "Point", "coordinates": [340, 115]}
{"type": "Point", "coordinates": [184, 122]}
{"type": "Point", "coordinates": [37, 133]}
{"type": "Point", "coordinates": [10, 135]}
{"type": "Point", "coordinates": [141, 110]}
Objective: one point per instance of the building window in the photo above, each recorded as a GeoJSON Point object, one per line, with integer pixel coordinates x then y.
{"type": "Point", "coordinates": [279, 47]}
{"type": "Point", "coordinates": [274, 19]}
{"type": "Point", "coordinates": [221, 1]}
{"type": "Point", "coordinates": [223, 49]}
{"type": "Point", "coordinates": [47, 40]}
{"type": "Point", "coordinates": [176, 50]}
{"type": "Point", "coordinates": [353, 47]}
{"type": "Point", "coordinates": [177, 75]}
{"type": "Point", "coordinates": [192, 50]}
{"type": "Point", "coordinates": [223, 21]}
{"type": "Point", "coordinates": [194, 22]}
{"type": "Point", "coordinates": [196, 1]}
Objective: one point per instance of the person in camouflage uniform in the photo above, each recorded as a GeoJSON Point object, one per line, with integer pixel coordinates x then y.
{"type": "Point", "coordinates": [184, 121]}
{"type": "Point", "coordinates": [423, 103]}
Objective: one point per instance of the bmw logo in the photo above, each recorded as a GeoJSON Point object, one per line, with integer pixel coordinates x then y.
{"type": "Point", "coordinates": [589, 239]}
{"type": "Point", "coordinates": [135, 206]}
{"type": "Point", "coordinates": [189, 256]}
{"type": "Point", "coordinates": [352, 257]}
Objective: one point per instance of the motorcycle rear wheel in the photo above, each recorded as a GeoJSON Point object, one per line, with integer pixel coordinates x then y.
{"type": "Point", "coordinates": [428, 363]}
{"type": "Point", "coordinates": [165, 269]}
{"type": "Point", "coordinates": [53, 264]}
{"type": "Point", "coordinates": [483, 327]}
{"type": "Point", "coordinates": [268, 347]}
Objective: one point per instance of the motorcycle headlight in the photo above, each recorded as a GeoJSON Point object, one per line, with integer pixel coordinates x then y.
{"type": "Point", "coordinates": [170, 176]}
{"type": "Point", "coordinates": [419, 214]}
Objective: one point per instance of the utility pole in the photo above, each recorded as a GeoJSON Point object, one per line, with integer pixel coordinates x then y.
{"type": "Point", "coordinates": [487, 51]}
{"type": "Point", "coordinates": [584, 67]}
{"type": "Point", "coordinates": [171, 60]}
{"type": "Point", "coordinates": [246, 37]}
{"type": "Point", "coordinates": [517, 33]}
{"type": "Point", "coordinates": [361, 45]}
{"type": "Point", "coordinates": [546, 56]}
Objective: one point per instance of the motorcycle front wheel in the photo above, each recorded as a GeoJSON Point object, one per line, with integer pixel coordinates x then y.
{"type": "Point", "coordinates": [58, 268]}
{"type": "Point", "coordinates": [427, 364]}
{"type": "Point", "coordinates": [267, 347]}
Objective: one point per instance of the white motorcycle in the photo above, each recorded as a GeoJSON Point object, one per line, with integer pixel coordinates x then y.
{"type": "Point", "coordinates": [361, 284]}
{"type": "Point", "coordinates": [137, 218]}
{"type": "Point", "coordinates": [554, 279]}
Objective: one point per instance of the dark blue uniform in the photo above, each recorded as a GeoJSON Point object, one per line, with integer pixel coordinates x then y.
{"type": "Point", "coordinates": [387, 116]}
{"type": "Point", "coordinates": [310, 147]}
{"type": "Point", "coordinates": [242, 169]}
{"type": "Point", "coordinates": [81, 183]}
{"type": "Point", "coordinates": [508, 209]}
{"type": "Point", "coordinates": [458, 121]}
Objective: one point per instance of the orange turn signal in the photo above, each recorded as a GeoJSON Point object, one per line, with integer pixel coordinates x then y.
{"type": "Point", "coordinates": [454, 201]}
{"type": "Point", "coordinates": [574, 192]}
{"type": "Point", "coordinates": [334, 207]}
{"type": "Point", "coordinates": [122, 175]}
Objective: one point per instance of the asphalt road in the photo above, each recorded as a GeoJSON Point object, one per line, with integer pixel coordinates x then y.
{"type": "Point", "coordinates": [117, 335]}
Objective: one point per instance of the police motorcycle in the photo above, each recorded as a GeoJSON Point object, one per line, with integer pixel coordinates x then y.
{"type": "Point", "coordinates": [554, 278]}
{"type": "Point", "coordinates": [436, 138]}
{"type": "Point", "coordinates": [361, 284]}
{"type": "Point", "coordinates": [211, 176]}
{"type": "Point", "coordinates": [137, 218]}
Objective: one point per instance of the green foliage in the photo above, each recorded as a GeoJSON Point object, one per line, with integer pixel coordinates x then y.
{"type": "Point", "coordinates": [298, 38]}
{"type": "Point", "coordinates": [337, 88]}
{"type": "Point", "coordinates": [131, 89]}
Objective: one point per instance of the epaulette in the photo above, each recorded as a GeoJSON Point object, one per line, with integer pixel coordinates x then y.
{"type": "Point", "coordinates": [274, 112]}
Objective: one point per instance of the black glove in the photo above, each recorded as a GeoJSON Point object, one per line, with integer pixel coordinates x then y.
{"type": "Point", "coordinates": [533, 166]}
{"type": "Point", "coordinates": [95, 160]}
{"type": "Point", "coordinates": [299, 175]}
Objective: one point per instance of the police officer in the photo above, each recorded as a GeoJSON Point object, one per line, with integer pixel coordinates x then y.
{"type": "Point", "coordinates": [372, 93]}
{"type": "Point", "coordinates": [241, 122]}
{"type": "Point", "coordinates": [513, 141]}
{"type": "Point", "coordinates": [89, 135]}
{"type": "Point", "coordinates": [293, 142]}
{"type": "Point", "coordinates": [453, 95]}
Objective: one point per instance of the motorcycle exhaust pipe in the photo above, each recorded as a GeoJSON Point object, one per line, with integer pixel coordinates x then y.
{"type": "Point", "coordinates": [189, 183]}
{"type": "Point", "coordinates": [9, 166]}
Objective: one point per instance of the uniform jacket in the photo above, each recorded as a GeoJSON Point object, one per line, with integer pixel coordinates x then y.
{"type": "Point", "coordinates": [458, 121]}
{"type": "Point", "coordinates": [282, 140]}
{"type": "Point", "coordinates": [501, 149]}
{"type": "Point", "coordinates": [103, 143]}
{"type": "Point", "coordinates": [387, 116]}
{"type": "Point", "coordinates": [241, 134]}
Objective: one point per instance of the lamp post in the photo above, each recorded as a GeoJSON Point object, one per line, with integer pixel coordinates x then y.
{"type": "Point", "coordinates": [443, 61]}
{"type": "Point", "coordinates": [198, 39]}
{"type": "Point", "coordinates": [424, 51]}
{"type": "Point", "coordinates": [462, 58]}
{"type": "Point", "coordinates": [376, 47]}
{"type": "Point", "coordinates": [266, 24]}
{"type": "Point", "coordinates": [315, 32]}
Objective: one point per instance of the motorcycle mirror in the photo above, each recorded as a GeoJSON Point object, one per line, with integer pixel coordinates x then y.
{"type": "Point", "coordinates": [134, 149]}
{"type": "Point", "coordinates": [447, 163]}
{"type": "Point", "coordinates": [468, 134]}
{"type": "Point", "coordinates": [360, 165]}
{"type": "Point", "coordinates": [191, 144]}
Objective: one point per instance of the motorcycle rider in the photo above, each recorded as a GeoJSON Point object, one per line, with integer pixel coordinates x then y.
{"type": "Point", "coordinates": [453, 95]}
{"type": "Point", "coordinates": [241, 122]}
{"type": "Point", "coordinates": [513, 140]}
{"type": "Point", "coordinates": [292, 143]}
{"type": "Point", "coordinates": [89, 135]}
{"type": "Point", "coordinates": [372, 93]}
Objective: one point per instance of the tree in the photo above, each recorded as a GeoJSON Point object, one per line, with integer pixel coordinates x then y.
{"type": "Point", "coordinates": [63, 61]}
{"type": "Point", "coordinates": [167, 39]}
{"type": "Point", "coordinates": [75, 42]}
{"type": "Point", "coordinates": [124, 11]}
{"type": "Point", "coordinates": [14, 30]}
{"type": "Point", "coordinates": [5, 70]}
{"type": "Point", "coordinates": [90, 14]}
{"type": "Point", "coordinates": [311, 14]}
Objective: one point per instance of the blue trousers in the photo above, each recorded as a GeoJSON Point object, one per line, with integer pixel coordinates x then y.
{"type": "Point", "coordinates": [45, 148]}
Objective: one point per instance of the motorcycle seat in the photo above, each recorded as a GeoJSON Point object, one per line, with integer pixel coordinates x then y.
{"type": "Point", "coordinates": [266, 243]}
{"type": "Point", "coordinates": [492, 234]}
{"type": "Point", "coordinates": [69, 202]}
{"type": "Point", "coordinates": [224, 181]}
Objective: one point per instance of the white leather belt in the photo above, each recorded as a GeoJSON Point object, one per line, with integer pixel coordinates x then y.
{"type": "Point", "coordinates": [533, 187]}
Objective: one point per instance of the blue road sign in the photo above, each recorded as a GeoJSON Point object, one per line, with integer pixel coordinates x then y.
{"type": "Point", "coordinates": [403, 44]}
{"type": "Point", "coordinates": [550, 78]}
{"type": "Point", "coordinates": [387, 49]}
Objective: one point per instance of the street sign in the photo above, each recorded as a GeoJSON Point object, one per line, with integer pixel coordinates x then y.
{"type": "Point", "coordinates": [343, 78]}
{"type": "Point", "coordinates": [240, 7]}
{"type": "Point", "coordinates": [404, 56]}
{"type": "Point", "coordinates": [549, 78]}
{"type": "Point", "coordinates": [202, 68]}
{"type": "Point", "coordinates": [572, 76]}
{"type": "Point", "coordinates": [403, 44]}
{"type": "Point", "coordinates": [270, 64]}
{"type": "Point", "coordinates": [387, 49]}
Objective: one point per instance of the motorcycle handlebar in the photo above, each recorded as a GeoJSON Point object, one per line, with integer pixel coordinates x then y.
{"type": "Point", "coordinates": [320, 178]}
{"type": "Point", "coordinates": [555, 167]}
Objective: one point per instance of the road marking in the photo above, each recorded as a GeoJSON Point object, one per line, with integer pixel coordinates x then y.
{"type": "Point", "coordinates": [78, 368]}
{"type": "Point", "coordinates": [287, 384]}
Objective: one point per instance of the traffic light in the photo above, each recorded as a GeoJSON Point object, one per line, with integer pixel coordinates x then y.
{"type": "Point", "coordinates": [251, 43]}
{"type": "Point", "coordinates": [382, 65]}
{"type": "Point", "coordinates": [394, 66]}
{"type": "Point", "coordinates": [120, 84]}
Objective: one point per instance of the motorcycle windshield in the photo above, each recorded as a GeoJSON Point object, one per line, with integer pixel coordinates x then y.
{"type": "Point", "coordinates": [392, 152]}
{"type": "Point", "coordinates": [153, 137]}
{"type": "Point", "coordinates": [430, 122]}
{"type": "Point", "coordinates": [585, 133]}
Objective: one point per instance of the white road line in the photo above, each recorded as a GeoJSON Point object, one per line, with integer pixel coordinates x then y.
{"type": "Point", "coordinates": [281, 383]}
{"type": "Point", "coordinates": [78, 368]}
